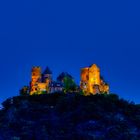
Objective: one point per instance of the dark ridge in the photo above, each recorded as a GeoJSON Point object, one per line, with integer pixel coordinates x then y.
{"type": "Point", "coordinates": [69, 116]}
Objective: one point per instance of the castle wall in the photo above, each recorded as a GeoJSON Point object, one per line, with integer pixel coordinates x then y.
{"type": "Point", "coordinates": [84, 74]}
{"type": "Point", "coordinates": [84, 79]}
{"type": "Point", "coordinates": [42, 87]}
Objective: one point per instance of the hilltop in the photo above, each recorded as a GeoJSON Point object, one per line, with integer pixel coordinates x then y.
{"type": "Point", "coordinates": [69, 117]}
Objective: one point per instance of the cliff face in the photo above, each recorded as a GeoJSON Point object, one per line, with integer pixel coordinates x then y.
{"type": "Point", "coordinates": [69, 117]}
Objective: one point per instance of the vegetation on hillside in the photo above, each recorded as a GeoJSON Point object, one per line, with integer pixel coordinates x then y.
{"type": "Point", "coordinates": [69, 116]}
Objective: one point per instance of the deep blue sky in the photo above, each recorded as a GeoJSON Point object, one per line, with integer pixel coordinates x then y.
{"type": "Point", "coordinates": [67, 35]}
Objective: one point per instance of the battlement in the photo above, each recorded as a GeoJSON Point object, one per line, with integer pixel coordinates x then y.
{"type": "Point", "coordinates": [36, 69]}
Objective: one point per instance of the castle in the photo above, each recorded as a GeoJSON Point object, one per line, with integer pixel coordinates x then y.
{"type": "Point", "coordinates": [42, 82]}
{"type": "Point", "coordinates": [91, 81]}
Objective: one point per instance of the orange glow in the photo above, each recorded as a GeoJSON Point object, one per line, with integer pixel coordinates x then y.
{"type": "Point", "coordinates": [91, 81]}
{"type": "Point", "coordinates": [36, 85]}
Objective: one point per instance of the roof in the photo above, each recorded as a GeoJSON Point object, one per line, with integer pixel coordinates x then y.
{"type": "Point", "coordinates": [47, 71]}
{"type": "Point", "coordinates": [94, 65]}
{"type": "Point", "coordinates": [63, 75]}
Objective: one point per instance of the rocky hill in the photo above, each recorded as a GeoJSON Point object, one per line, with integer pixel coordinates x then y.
{"type": "Point", "coordinates": [69, 117]}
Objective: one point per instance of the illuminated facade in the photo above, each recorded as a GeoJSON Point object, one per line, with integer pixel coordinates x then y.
{"type": "Point", "coordinates": [42, 82]}
{"type": "Point", "coordinates": [91, 81]}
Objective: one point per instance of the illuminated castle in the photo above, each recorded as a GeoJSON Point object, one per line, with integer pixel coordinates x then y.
{"type": "Point", "coordinates": [92, 82]}
{"type": "Point", "coordinates": [42, 82]}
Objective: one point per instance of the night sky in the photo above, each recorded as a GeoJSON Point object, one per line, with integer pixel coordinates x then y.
{"type": "Point", "coordinates": [67, 35]}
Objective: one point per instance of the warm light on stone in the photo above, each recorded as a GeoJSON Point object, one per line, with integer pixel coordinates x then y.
{"type": "Point", "coordinates": [37, 86]}
{"type": "Point", "coordinates": [91, 81]}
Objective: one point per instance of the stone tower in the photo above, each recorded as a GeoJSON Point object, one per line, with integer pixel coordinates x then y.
{"type": "Point", "coordinates": [94, 77]}
{"type": "Point", "coordinates": [91, 81]}
{"type": "Point", "coordinates": [35, 78]}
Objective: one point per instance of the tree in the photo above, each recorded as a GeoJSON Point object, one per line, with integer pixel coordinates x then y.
{"type": "Point", "coordinates": [69, 84]}
{"type": "Point", "coordinates": [24, 91]}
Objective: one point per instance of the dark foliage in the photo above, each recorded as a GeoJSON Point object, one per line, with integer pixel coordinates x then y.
{"type": "Point", "coordinates": [24, 91]}
{"type": "Point", "coordinates": [61, 76]}
{"type": "Point", "coordinates": [69, 116]}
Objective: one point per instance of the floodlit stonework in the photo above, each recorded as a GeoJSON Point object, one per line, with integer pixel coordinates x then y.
{"type": "Point", "coordinates": [91, 81]}
{"type": "Point", "coordinates": [42, 82]}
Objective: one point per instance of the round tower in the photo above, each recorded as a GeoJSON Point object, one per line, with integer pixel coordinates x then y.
{"type": "Point", "coordinates": [35, 79]}
{"type": "Point", "coordinates": [36, 74]}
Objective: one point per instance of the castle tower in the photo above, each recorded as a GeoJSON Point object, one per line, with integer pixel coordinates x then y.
{"type": "Point", "coordinates": [84, 79]}
{"type": "Point", "coordinates": [91, 81]}
{"type": "Point", "coordinates": [94, 77]}
{"type": "Point", "coordinates": [35, 78]}
{"type": "Point", "coordinates": [47, 75]}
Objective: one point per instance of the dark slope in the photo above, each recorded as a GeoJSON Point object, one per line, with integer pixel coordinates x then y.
{"type": "Point", "coordinates": [69, 117]}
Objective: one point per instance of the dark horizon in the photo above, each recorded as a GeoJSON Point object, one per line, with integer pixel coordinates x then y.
{"type": "Point", "coordinates": [69, 35]}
